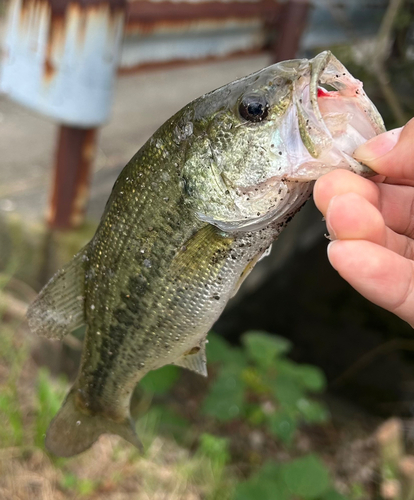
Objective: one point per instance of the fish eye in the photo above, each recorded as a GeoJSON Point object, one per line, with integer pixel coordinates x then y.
{"type": "Point", "coordinates": [254, 108]}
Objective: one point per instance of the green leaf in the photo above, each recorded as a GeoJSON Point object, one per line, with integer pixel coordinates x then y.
{"type": "Point", "coordinates": [215, 448]}
{"type": "Point", "coordinates": [160, 381]}
{"type": "Point", "coordinates": [333, 495]}
{"type": "Point", "coordinates": [219, 350]}
{"type": "Point", "coordinates": [263, 348]}
{"type": "Point", "coordinates": [266, 484]}
{"type": "Point", "coordinates": [311, 377]}
{"type": "Point", "coordinates": [255, 489]}
{"type": "Point", "coordinates": [306, 477]}
{"type": "Point", "coordinates": [225, 399]}
{"type": "Point", "coordinates": [255, 380]}
{"type": "Point", "coordinates": [312, 411]}
{"type": "Point", "coordinates": [173, 424]}
{"type": "Point", "coordinates": [283, 426]}
{"type": "Point", "coordinates": [287, 391]}
{"type": "Point", "coordinates": [86, 486]}
{"type": "Point", "coordinates": [68, 480]}
{"type": "Point", "coordinates": [254, 414]}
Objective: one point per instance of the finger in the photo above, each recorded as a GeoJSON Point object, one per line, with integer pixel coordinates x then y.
{"type": "Point", "coordinates": [390, 154]}
{"type": "Point", "coordinates": [394, 180]}
{"type": "Point", "coordinates": [379, 274]}
{"type": "Point", "coordinates": [396, 204]}
{"type": "Point", "coordinates": [352, 217]}
{"type": "Point", "coordinates": [339, 182]}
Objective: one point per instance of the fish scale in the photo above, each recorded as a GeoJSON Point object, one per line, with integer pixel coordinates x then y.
{"type": "Point", "coordinates": [188, 218]}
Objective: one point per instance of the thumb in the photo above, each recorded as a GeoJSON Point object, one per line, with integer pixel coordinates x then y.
{"type": "Point", "coordinates": [391, 153]}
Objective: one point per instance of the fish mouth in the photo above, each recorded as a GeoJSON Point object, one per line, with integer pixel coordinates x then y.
{"type": "Point", "coordinates": [329, 118]}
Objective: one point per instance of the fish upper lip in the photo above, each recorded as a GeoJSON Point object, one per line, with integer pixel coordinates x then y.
{"type": "Point", "coordinates": [318, 66]}
{"type": "Point", "coordinates": [327, 69]}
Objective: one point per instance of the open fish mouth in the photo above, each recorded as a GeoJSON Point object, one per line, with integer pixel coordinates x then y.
{"type": "Point", "coordinates": [330, 117]}
{"type": "Point", "coordinates": [295, 121]}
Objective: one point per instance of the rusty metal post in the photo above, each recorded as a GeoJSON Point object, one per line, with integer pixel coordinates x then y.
{"type": "Point", "coordinates": [60, 58]}
{"type": "Point", "coordinates": [74, 156]}
{"type": "Point", "coordinates": [290, 26]}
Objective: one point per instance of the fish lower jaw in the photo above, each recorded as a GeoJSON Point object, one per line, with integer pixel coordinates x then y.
{"type": "Point", "coordinates": [330, 117]}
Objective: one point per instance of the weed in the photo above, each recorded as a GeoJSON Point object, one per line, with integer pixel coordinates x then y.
{"type": "Point", "coordinates": [49, 396]}
{"type": "Point", "coordinates": [12, 357]}
{"type": "Point", "coordinates": [280, 386]}
{"type": "Point", "coordinates": [258, 383]}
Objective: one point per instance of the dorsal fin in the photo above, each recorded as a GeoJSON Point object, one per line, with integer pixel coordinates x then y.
{"type": "Point", "coordinates": [195, 359]}
{"type": "Point", "coordinates": [59, 307]}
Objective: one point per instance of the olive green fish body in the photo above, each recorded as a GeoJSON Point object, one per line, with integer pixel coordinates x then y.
{"type": "Point", "coordinates": [165, 277]}
{"type": "Point", "coordinates": [187, 219]}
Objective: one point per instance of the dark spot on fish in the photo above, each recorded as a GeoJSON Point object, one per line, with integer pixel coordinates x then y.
{"type": "Point", "coordinates": [280, 152]}
{"type": "Point", "coordinates": [216, 297]}
{"type": "Point", "coordinates": [138, 283]}
{"type": "Point", "coordinates": [123, 317]}
{"type": "Point", "coordinates": [193, 350]}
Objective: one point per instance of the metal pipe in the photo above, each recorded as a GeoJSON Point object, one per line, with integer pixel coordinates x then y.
{"type": "Point", "coordinates": [291, 24]}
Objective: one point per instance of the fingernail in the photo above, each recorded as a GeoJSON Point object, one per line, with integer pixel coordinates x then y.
{"type": "Point", "coordinates": [328, 224]}
{"type": "Point", "coordinates": [377, 146]}
{"type": "Point", "coordinates": [330, 246]}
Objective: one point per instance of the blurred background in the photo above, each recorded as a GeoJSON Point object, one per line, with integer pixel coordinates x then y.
{"type": "Point", "coordinates": [310, 392]}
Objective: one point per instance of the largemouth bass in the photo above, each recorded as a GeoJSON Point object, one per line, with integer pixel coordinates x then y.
{"type": "Point", "coordinates": [188, 218]}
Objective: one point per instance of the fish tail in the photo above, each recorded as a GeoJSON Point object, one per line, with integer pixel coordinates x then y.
{"type": "Point", "coordinates": [72, 431]}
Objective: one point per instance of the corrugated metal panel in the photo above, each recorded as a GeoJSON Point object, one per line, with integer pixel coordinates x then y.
{"type": "Point", "coordinates": [164, 31]}
{"type": "Point", "coordinates": [200, 41]}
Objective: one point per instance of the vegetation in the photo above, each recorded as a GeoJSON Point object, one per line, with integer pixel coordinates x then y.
{"type": "Point", "coordinates": [254, 385]}
{"type": "Point", "coordinates": [246, 432]}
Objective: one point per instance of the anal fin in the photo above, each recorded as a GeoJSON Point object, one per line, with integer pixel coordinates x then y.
{"type": "Point", "coordinates": [59, 307]}
{"type": "Point", "coordinates": [195, 359]}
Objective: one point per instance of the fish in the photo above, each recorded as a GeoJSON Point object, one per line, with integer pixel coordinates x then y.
{"type": "Point", "coordinates": [188, 218]}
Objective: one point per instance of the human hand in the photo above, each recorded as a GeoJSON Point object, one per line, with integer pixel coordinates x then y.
{"type": "Point", "coordinates": [372, 221]}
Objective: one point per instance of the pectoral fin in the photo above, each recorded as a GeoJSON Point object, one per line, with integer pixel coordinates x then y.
{"type": "Point", "coordinates": [195, 359]}
{"type": "Point", "coordinates": [248, 269]}
{"type": "Point", "coordinates": [58, 309]}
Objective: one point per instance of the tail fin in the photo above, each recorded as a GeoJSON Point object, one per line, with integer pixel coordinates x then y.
{"type": "Point", "coordinates": [72, 432]}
